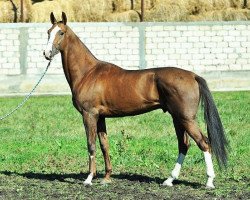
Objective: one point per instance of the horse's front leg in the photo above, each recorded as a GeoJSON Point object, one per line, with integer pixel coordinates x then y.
{"type": "Point", "coordinates": [90, 123]}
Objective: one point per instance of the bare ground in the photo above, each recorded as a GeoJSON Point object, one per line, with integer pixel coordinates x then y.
{"type": "Point", "coordinates": [123, 186]}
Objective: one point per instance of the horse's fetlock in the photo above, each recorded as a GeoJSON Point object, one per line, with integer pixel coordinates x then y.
{"type": "Point", "coordinates": [174, 175]}
{"type": "Point", "coordinates": [109, 171]}
{"type": "Point", "coordinates": [210, 174]}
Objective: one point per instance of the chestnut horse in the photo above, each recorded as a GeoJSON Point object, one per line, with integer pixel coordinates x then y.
{"type": "Point", "coordinates": [101, 90]}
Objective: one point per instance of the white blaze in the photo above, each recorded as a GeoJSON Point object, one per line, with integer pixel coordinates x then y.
{"type": "Point", "coordinates": [48, 48]}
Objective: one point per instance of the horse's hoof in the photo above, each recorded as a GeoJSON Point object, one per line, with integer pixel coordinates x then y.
{"type": "Point", "coordinates": [167, 183]}
{"type": "Point", "coordinates": [87, 183]}
{"type": "Point", "coordinates": [105, 181]}
{"type": "Point", "coordinates": [210, 186]}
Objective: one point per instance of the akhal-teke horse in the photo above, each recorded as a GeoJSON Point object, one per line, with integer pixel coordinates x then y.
{"type": "Point", "coordinates": [101, 90]}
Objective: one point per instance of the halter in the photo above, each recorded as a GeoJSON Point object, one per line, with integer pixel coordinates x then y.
{"type": "Point", "coordinates": [56, 46]}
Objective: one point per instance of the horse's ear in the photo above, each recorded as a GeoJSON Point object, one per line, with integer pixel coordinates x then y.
{"type": "Point", "coordinates": [64, 18]}
{"type": "Point", "coordinates": [52, 18]}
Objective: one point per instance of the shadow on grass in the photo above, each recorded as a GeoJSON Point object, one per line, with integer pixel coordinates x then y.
{"type": "Point", "coordinates": [48, 177]}
{"type": "Point", "coordinates": [82, 176]}
{"type": "Point", "coordinates": [147, 179]}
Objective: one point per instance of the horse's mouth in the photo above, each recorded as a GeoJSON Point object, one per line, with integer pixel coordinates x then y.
{"type": "Point", "coordinates": [47, 57]}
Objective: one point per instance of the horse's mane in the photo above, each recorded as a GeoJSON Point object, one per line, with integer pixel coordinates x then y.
{"type": "Point", "coordinates": [76, 36]}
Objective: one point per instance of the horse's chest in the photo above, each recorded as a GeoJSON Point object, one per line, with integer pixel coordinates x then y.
{"type": "Point", "coordinates": [85, 101]}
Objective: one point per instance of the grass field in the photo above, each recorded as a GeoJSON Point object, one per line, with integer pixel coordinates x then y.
{"type": "Point", "coordinates": [43, 154]}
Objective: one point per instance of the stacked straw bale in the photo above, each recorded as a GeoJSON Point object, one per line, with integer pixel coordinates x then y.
{"type": "Point", "coordinates": [126, 16]}
{"type": "Point", "coordinates": [41, 11]}
{"type": "Point", "coordinates": [76, 10]}
{"type": "Point", "coordinates": [91, 10]}
{"type": "Point", "coordinates": [120, 10]}
{"type": "Point", "coordinates": [125, 5]}
{"type": "Point", "coordinates": [10, 11]}
{"type": "Point", "coordinates": [197, 10]}
{"type": "Point", "coordinates": [216, 10]}
{"type": "Point", "coordinates": [168, 10]}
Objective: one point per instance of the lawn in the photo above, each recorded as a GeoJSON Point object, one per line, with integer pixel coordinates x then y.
{"type": "Point", "coordinates": [43, 153]}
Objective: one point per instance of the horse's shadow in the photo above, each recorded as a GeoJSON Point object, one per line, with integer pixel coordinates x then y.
{"type": "Point", "coordinates": [77, 178]}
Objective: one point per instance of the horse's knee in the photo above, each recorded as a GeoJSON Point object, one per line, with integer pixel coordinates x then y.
{"type": "Point", "coordinates": [92, 149]}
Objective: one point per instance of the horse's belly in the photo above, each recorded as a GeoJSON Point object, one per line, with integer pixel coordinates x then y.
{"type": "Point", "coordinates": [128, 108]}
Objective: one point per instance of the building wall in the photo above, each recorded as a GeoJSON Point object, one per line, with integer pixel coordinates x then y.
{"type": "Point", "coordinates": [220, 51]}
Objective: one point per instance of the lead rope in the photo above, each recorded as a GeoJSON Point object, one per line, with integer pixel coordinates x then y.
{"type": "Point", "coordinates": [28, 96]}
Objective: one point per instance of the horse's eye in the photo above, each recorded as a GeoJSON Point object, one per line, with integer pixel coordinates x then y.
{"type": "Point", "coordinates": [61, 33]}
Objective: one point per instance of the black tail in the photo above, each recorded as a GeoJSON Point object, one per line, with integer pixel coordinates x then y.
{"type": "Point", "coordinates": [215, 130]}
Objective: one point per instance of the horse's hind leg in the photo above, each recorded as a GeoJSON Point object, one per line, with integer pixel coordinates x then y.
{"type": "Point", "coordinates": [183, 145]}
{"type": "Point", "coordinates": [103, 139]}
{"type": "Point", "coordinates": [193, 130]}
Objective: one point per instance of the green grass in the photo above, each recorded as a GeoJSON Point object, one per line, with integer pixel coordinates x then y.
{"type": "Point", "coordinates": [46, 136]}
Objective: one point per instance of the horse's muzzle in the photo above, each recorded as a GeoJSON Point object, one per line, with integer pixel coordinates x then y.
{"type": "Point", "coordinates": [47, 55]}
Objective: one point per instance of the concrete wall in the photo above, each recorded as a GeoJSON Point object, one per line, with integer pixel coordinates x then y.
{"type": "Point", "coordinates": [219, 51]}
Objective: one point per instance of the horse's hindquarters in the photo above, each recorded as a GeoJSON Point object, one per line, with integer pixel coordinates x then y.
{"type": "Point", "coordinates": [178, 92]}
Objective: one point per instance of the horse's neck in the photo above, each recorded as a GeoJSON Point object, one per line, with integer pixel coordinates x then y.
{"type": "Point", "coordinates": [77, 60]}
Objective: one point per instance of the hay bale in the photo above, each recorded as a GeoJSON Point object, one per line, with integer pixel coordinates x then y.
{"type": "Point", "coordinates": [221, 4]}
{"type": "Point", "coordinates": [114, 10]}
{"type": "Point", "coordinates": [196, 7]}
{"type": "Point", "coordinates": [236, 3]}
{"type": "Point", "coordinates": [6, 15]}
{"type": "Point", "coordinates": [229, 14]}
{"type": "Point", "coordinates": [201, 6]}
{"type": "Point", "coordinates": [91, 10]}
{"type": "Point", "coordinates": [11, 10]}
{"type": "Point", "coordinates": [167, 10]}
{"type": "Point", "coordinates": [127, 16]}
{"type": "Point", "coordinates": [232, 14]}
{"type": "Point", "coordinates": [215, 10]}
{"type": "Point", "coordinates": [121, 5]}
{"type": "Point", "coordinates": [148, 4]}
{"type": "Point", "coordinates": [76, 10]}
{"type": "Point", "coordinates": [239, 4]}
{"type": "Point", "coordinates": [40, 12]}
{"type": "Point", "coordinates": [67, 7]}
{"type": "Point", "coordinates": [26, 9]}
{"type": "Point", "coordinates": [125, 5]}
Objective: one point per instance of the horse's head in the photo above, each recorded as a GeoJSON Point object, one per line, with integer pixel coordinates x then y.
{"type": "Point", "coordinates": [56, 36]}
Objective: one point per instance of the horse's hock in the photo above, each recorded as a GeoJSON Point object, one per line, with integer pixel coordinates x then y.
{"type": "Point", "coordinates": [218, 51]}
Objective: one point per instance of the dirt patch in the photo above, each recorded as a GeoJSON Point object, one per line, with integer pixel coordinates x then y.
{"type": "Point", "coordinates": [124, 186]}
